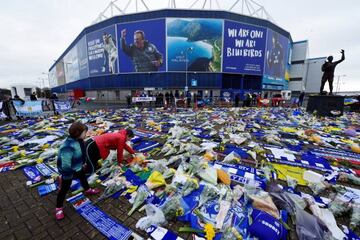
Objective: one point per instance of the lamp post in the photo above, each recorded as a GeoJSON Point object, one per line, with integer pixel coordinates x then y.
{"type": "Point", "coordinates": [47, 74]}
{"type": "Point", "coordinates": [338, 81]}
{"type": "Point", "coordinates": [187, 50]}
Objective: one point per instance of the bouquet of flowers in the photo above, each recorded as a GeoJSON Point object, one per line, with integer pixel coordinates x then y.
{"type": "Point", "coordinates": [190, 185]}
{"type": "Point", "coordinates": [141, 195]}
{"type": "Point", "coordinates": [154, 217]}
{"type": "Point", "coordinates": [208, 193]}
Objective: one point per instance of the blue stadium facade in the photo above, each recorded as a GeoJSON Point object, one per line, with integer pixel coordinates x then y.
{"type": "Point", "coordinates": [250, 76]}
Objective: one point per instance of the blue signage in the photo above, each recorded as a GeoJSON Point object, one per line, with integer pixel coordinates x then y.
{"type": "Point", "coordinates": [193, 82]}
{"type": "Point", "coordinates": [82, 58]}
{"type": "Point", "coordinates": [244, 48]}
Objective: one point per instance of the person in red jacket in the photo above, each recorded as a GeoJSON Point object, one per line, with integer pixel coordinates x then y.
{"type": "Point", "coordinates": [99, 147]}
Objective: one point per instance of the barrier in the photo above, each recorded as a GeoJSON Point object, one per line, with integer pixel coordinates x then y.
{"type": "Point", "coordinates": [35, 108]}
{"type": "Point", "coordinates": [62, 106]}
{"type": "Point", "coordinates": [143, 99]}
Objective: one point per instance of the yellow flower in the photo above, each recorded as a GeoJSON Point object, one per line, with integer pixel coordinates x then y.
{"type": "Point", "coordinates": [15, 148]}
{"type": "Point", "coordinates": [288, 129]}
{"type": "Point", "coordinates": [23, 153]}
{"type": "Point", "coordinates": [209, 231]}
{"type": "Point", "coordinates": [179, 212]}
{"type": "Point", "coordinates": [131, 189]}
{"type": "Point", "coordinates": [46, 145]}
{"type": "Point", "coordinates": [39, 160]}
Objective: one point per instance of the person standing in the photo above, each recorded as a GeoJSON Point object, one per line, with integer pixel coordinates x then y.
{"type": "Point", "coordinates": [33, 97]}
{"type": "Point", "coordinates": [237, 99]}
{"type": "Point", "coordinates": [6, 108]}
{"type": "Point", "coordinates": [161, 99]}
{"type": "Point", "coordinates": [128, 100]}
{"type": "Point", "coordinates": [54, 98]}
{"type": "Point", "coordinates": [301, 99]}
{"type": "Point", "coordinates": [188, 99]}
{"type": "Point", "coordinates": [167, 99]}
{"type": "Point", "coordinates": [172, 99]}
{"type": "Point", "coordinates": [70, 165]}
{"type": "Point", "coordinates": [253, 98]}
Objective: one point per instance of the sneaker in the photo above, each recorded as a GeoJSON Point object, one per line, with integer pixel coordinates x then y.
{"type": "Point", "coordinates": [59, 214]}
{"type": "Point", "coordinates": [92, 191]}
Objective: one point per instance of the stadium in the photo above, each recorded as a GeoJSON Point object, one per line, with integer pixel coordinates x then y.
{"type": "Point", "coordinates": [207, 52]}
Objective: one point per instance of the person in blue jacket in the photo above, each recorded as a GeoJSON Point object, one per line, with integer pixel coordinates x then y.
{"type": "Point", "coordinates": [70, 165]}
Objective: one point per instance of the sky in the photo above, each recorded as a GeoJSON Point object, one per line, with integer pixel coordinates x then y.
{"type": "Point", "coordinates": [35, 33]}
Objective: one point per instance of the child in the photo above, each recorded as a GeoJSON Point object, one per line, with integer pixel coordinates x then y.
{"type": "Point", "coordinates": [70, 161]}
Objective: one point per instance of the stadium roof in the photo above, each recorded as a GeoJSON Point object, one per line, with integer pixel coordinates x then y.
{"type": "Point", "coordinates": [244, 7]}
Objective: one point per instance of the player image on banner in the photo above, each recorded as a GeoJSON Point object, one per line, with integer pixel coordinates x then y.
{"type": "Point", "coordinates": [111, 53]}
{"type": "Point", "coordinates": [275, 57]}
{"type": "Point", "coordinates": [102, 52]}
{"type": "Point", "coordinates": [144, 54]}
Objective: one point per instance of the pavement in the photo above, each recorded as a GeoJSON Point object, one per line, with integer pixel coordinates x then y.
{"type": "Point", "coordinates": [26, 215]}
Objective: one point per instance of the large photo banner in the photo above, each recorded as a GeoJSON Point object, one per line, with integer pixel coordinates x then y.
{"type": "Point", "coordinates": [76, 62]}
{"type": "Point", "coordinates": [102, 52]}
{"type": "Point", "coordinates": [194, 44]}
{"type": "Point", "coordinates": [60, 73]}
{"type": "Point", "coordinates": [244, 48]}
{"type": "Point", "coordinates": [142, 46]}
{"type": "Point", "coordinates": [71, 65]}
{"type": "Point", "coordinates": [276, 58]}
{"type": "Point", "coordinates": [52, 77]}
{"type": "Point", "coordinates": [29, 108]}
{"type": "Point", "coordinates": [82, 58]}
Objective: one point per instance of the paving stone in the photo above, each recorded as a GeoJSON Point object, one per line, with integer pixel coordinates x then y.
{"type": "Point", "coordinates": [4, 227]}
{"type": "Point", "coordinates": [33, 223]}
{"type": "Point", "coordinates": [79, 235]}
{"type": "Point", "coordinates": [55, 230]}
{"type": "Point", "coordinates": [69, 231]}
{"type": "Point", "coordinates": [92, 234]}
{"type": "Point", "coordinates": [23, 233]}
{"type": "Point", "coordinates": [42, 235]}
{"type": "Point", "coordinates": [9, 237]}
{"type": "Point", "coordinates": [85, 228]}
{"type": "Point", "coordinates": [26, 215]}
